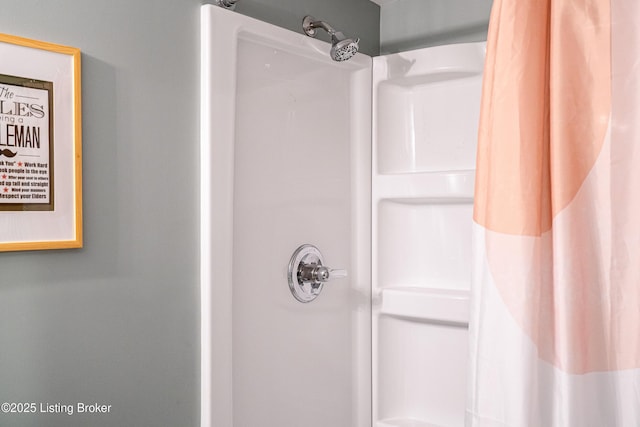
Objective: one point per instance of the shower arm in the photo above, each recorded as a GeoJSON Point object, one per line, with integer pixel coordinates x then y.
{"type": "Point", "coordinates": [342, 48]}
{"type": "Point", "coordinates": [309, 25]}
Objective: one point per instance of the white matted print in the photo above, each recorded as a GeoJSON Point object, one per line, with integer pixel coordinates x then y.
{"type": "Point", "coordinates": [40, 145]}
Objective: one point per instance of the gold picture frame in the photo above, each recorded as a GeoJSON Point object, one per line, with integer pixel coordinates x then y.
{"type": "Point", "coordinates": [40, 145]}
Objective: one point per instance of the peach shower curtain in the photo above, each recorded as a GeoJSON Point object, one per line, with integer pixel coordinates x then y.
{"type": "Point", "coordinates": [555, 325]}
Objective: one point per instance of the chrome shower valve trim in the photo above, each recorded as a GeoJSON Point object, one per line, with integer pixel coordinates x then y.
{"type": "Point", "coordinates": [307, 274]}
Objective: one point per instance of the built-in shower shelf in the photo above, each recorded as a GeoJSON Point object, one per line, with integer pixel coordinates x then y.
{"type": "Point", "coordinates": [427, 185]}
{"type": "Point", "coordinates": [426, 304]}
{"type": "Point", "coordinates": [404, 422]}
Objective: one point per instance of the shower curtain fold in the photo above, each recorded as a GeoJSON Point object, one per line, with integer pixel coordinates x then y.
{"type": "Point", "coordinates": [555, 327]}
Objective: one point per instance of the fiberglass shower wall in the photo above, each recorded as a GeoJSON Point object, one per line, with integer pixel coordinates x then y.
{"type": "Point", "coordinates": [425, 113]}
{"type": "Point", "coordinates": [287, 152]}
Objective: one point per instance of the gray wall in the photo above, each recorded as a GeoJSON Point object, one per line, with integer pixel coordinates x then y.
{"type": "Point", "coordinates": [412, 24]}
{"type": "Point", "coordinates": [118, 321]}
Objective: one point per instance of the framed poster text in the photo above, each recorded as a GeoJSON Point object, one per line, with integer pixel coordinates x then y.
{"type": "Point", "coordinates": [40, 145]}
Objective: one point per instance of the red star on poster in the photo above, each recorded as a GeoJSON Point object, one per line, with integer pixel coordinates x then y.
{"type": "Point", "coordinates": [4, 176]}
{"type": "Point", "coordinates": [20, 164]}
{"type": "Point", "coordinates": [6, 190]}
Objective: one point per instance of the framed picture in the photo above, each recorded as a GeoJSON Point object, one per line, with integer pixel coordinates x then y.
{"type": "Point", "coordinates": [40, 145]}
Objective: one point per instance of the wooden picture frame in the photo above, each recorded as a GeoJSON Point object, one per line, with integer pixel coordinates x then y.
{"type": "Point", "coordinates": [40, 145]}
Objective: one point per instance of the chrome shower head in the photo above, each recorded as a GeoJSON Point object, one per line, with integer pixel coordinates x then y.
{"type": "Point", "coordinates": [342, 48]}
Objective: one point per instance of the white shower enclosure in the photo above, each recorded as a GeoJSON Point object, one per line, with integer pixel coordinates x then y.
{"type": "Point", "coordinates": [370, 160]}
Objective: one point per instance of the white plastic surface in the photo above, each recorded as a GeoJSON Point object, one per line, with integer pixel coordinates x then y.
{"type": "Point", "coordinates": [427, 304]}
{"type": "Point", "coordinates": [424, 243]}
{"type": "Point", "coordinates": [274, 103]}
{"type": "Point", "coordinates": [421, 371]}
{"type": "Point", "coordinates": [402, 422]}
{"type": "Point", "coordinates": [286, 152]}
{"type": "Point", "coordinates": [426, 110]}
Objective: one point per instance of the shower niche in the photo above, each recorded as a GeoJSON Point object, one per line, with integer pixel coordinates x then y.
{"type": "Point", "coordinates": [426, 107]}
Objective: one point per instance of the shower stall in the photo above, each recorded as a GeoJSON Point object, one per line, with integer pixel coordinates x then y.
{"type": "Point", "coordinates": [336, 224]}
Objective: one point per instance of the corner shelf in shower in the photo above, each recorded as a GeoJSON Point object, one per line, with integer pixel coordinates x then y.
{"type": "Point", "coordinates": [426, 304]}
{"type": "Point", "coordinates": [449, 185]}
{"type": "Point", "coordinates": [426, 105]}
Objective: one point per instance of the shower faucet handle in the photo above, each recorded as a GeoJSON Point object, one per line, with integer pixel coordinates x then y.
{"type": "Point", "coordinates": [317, 274]}
{"type": "Point", "coordinates": [307, 274]}
{"type": "Point", "coordinates": [325, 274]}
